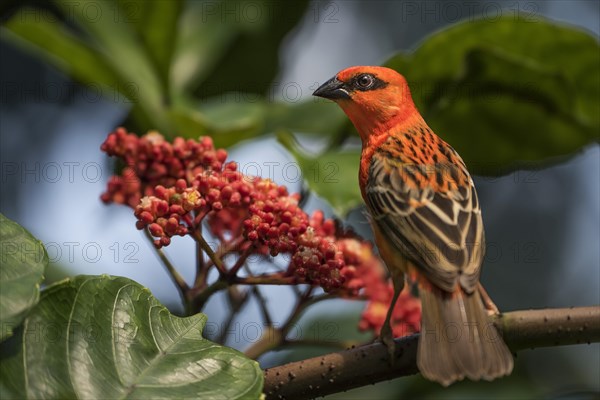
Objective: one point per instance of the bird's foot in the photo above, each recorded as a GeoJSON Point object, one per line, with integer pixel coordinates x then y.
{"type": "Point", "coordinates": [490, 307]}
{"type": "Point", "coordinates": [387, 338]}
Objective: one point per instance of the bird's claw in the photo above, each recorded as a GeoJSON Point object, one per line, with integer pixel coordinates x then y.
{"type": "Point", "coordinates": [489, 305]}
{"type": "Point", "coordinates": [388, 339]}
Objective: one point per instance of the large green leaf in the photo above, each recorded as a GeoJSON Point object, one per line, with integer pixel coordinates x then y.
{"type": "Point", "coordinates": [23, 260]}
{"type": "Point", "coordinates": [251, 61]}
{"type": "Point", "coordinates": [107, 337]}
{"type": "Point", "coordinates": [202, 40]}
{"type": "Point", "coordinates": [332, 175]}
{"type": "Point", "coordinates": [157, 24]}
{"type": "Point", "coordinates": [508, 92]}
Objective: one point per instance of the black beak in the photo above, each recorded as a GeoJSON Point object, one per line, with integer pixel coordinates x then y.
{"type": "Point", "coordinates": [333, 89]}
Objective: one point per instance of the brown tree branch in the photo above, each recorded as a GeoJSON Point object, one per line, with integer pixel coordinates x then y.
{"type": "Point", "coordinates": [364, 365]}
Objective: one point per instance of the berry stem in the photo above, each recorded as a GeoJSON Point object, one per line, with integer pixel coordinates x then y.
{"type": "Point", "coordinates": [226, 247]}
{"type": "Point", "coordinates": [304, 301]}
{"type": "Point", "coordinates": [199, 301]}
{"type": "Point", "coordinates": [180, 283]}
{"type": "Point", "coordinates": [201, 266]}
{"type": "Point", "coordinates": [275, 337]}
{"type": "Point", "coordinates": [237, 300]}
{"type": "Point", "coordinates": [217, 261]}
{"type": "Point", "coordinates": [241, 261]}
{"type": "Point", "coordinates": [277, 278]}
{"type": "Point", "coordinates": [261, 300]}
{"type": "Point", "coordinates": [262, 304]}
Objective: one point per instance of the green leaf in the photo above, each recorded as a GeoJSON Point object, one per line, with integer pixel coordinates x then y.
{"type": "Point", "coordinates": [63, 49]}
{"type": "Point", "coordinates": [202, 40]}
{"type": "Point", "coordinates": [250, 61]}
{"type": "Point", "coordinates": [113, 35]}
{"type": "Point", "coordinates": [23, 260]}
{"type": "Point", "coordinates": [309, 117]}
{"type": "Point", "coordinates": [332, 175]}
{"type": "Point", "coordinates": [228, 119]}
{"type": "Point", "coordinates": [157, 24]}
{"type": "Point", "coordinates": [507, 93]}
{"type": "Point", "coordinates": [233, 117]}
{"type": "Point", "coordinates": [108, 337]}
{"type": "Point", "coordinates": [102, 49]}
{"type": "Point", "coordinates": [228, 52]}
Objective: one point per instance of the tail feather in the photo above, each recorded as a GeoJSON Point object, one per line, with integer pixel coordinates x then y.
{"type": "Point", "coordinates": [457, 341]}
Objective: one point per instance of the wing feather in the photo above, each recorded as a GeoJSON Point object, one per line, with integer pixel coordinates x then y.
{"type": "Point", "coordinates": [440, 231]}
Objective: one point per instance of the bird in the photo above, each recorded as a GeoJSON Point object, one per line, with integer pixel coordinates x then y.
{"type": "Point", "coordinates": [427, 225]}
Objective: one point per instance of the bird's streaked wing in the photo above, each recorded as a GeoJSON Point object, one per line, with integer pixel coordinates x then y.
{"type": "Point", "coordinates": [441, 231]}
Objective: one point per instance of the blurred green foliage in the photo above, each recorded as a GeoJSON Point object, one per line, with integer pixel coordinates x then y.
{"type": "Point", "coordinates": [509, 92]}
{"type": "Point", "coordinates": [506, 93]}
{"type": "Point", "coordinates": [175, 61]}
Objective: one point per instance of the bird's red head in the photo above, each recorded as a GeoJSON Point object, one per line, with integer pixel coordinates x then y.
{"type": "Point", "coordinates": [376, 99]}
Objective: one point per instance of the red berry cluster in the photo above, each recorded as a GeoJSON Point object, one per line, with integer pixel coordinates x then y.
{"type": "Point", "coordinates": [340, 260]}
{"type": "Point", "coordinates": [275, 221]}
{"type": "Point", "coordinates": [365, 273]}
{"type": "Point", "coordinates": [175, 187]}
{"type": "Point", "coordinates": [227, 188]}
{"type": "Point", "coordinates": [368, 274]}
{"type": "Point", "coordinates": [150, 161]}
{"type": "Point", "coordinates": [318, 260]}
{"type": "Point", "coordinates": [123, 189]}
{"type": "Point", "coordinates": [406, 317]}
{"type": "Point", "coordinates": [167, 213]}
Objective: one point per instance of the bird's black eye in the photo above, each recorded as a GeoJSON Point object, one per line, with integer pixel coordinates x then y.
{"type": "Point", "coordinates": [364, 81]}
